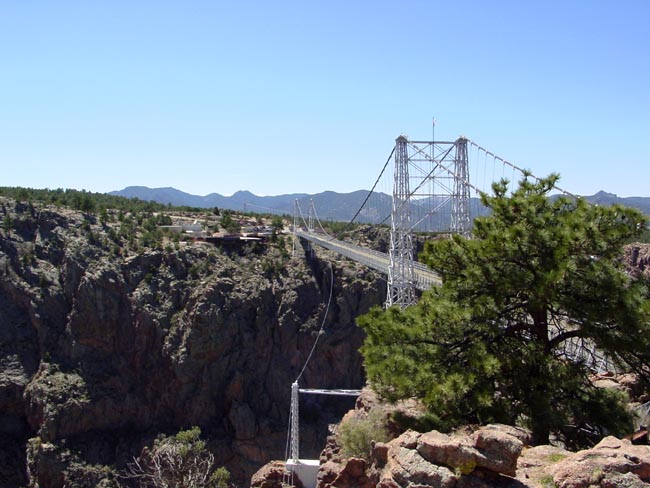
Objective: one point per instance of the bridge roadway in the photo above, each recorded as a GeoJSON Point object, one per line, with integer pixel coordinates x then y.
{"type": "Point", "coordinates": [575, 349]}
{"type": "Point", "coordinates": [379, 261]}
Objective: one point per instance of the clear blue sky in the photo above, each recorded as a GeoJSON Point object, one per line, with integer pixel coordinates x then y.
{"type": "Point", "coordinates": [283, 97]}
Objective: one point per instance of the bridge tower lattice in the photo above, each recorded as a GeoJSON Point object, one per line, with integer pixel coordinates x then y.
{"type": "Point", "coordinates": [448, 175]}
{"type": "Point", "coordinates": [460, 218]}
{"type": "Point", "coordinates": [401, 273]}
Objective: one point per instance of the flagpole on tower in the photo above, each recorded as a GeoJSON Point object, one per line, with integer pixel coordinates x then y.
{"type": "Point", "coordinates": [433, 137]}
{"type": "Point", "coordinates": [433, 128]}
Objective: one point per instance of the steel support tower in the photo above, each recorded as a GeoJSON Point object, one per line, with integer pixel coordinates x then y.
{"type": "Point", "coordinates": [311, 216]}
{"type": "Point", "coordinates": [401, 274]}
{"type": "Point", "coordinates": [460, 219]}
{"type": "Point", "coordinates": [295, 424]}
{"type": "Point", "coordinates": [295, 228]}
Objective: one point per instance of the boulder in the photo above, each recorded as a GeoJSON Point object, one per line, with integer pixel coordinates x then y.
{"type": "Point", "coordinates": [456, 453]}
{"type": "Point", "coordinates": [610, 462]}
{"type": "Point", "coordinates": [440, 460]}
{"type": "Point", "coordinates": [534, 462]}
{"type": "Point", "coordinates": [407, 467]}
{"type": "Point", "coordinates": [271, 475]}
{"type": "Point", "coordinates": [349, 474]}
{"type": "Point", "coordinates": [489, 448]}
{"type": "Point", "coordinates": [499, 450]}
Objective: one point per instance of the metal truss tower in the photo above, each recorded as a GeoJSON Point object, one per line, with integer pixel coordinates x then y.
{"type": "Point", "coordinates": [296, 210]}
{"type": "Point", "coordinates": [311, 216]}
{"type": "Point", "coordinates": [401, 273]}
{"type": "Point", "coordinates": [295, 424]}
{"type": "Point", "coordinates": [460, 219]}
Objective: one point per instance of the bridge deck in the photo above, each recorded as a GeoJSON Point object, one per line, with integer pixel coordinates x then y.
{"type": "Point", "coordinates": [379, 261]}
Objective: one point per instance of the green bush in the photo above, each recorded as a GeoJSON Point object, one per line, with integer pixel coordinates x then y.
{"type": "Point", "coordinates": [357, 434]}
{"type": "Point", "coordinates": [7, 223]}
{"type": "Point", "coordinates": [182, 460]}
{"type": "Point", "coordinates": [220, 478]}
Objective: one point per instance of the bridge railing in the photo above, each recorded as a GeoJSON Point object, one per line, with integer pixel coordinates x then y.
{"type": "Point", "coordinates": [379, 261]}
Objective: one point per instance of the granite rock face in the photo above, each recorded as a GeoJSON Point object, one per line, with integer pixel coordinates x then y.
{"type": "Point", "coordinates": [612, 462]}
{"type": "Point", "coordinates": [101, 349]}
{"type": "Point", "coordinates": [637, 259]}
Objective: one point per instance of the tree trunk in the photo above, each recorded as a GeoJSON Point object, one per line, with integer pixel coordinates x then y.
{"type": "Point", "coordinates": [540, 432]}
{"type": "Point", "coordinates": [539, 399]}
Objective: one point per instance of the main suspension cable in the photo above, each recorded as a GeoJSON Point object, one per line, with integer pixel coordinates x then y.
{"type": "Point", "coordinates": [319, 222]}
{"type": "Point", "coordinates": [322, 325]}
{"type": "Point", "coordinates": [513, 166]}
{"type": "Point", "coordinates": [301, 215]}
{"type": "Point", "coordinates": [293, 416]}
{"type": "Point", "coordinates": [369, 193]}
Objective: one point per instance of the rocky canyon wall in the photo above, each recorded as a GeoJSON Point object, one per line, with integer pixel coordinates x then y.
{"type": "Point", "coordinates": [101, 349]}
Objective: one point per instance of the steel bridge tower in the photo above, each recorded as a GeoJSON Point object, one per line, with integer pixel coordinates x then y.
{"type": "Point", "coordinates": [448, 174]}
{"type": "Point", "coordinates": [460, 219]}
{"type": "Point", "coordinates": [401, 273]}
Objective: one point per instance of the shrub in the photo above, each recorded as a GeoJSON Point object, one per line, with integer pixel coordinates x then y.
{"type": "Point", "coordinates": [357, 434]}
{"type": "Point", "coordinates": [220, 478]}
{"type": "Point", "coordinates": [178, 461]}
{"type": "Point", "coordinates": [43, 282]}
{"type": "Point", "coordinates": [7, 223]}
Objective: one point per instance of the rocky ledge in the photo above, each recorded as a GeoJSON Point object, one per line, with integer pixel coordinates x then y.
{"type": "Point", "coordinates": [491, 456]}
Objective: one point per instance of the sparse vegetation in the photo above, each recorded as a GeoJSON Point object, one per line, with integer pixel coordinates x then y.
{"type": "Point", "coordinates": [554, 458]}
{"type": "Point", "coordinates": [178, 461]}
{"type": "Point", "coordinates": [357, 434]}
{"type": "Point", "coordinates": [229, 224]}
{"type": "Point", "coordinates": [7, 223]}
{"type": "Point", "coordinates": [547, 481]}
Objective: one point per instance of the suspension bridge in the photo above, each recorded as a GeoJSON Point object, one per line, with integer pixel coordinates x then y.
{"type": "Point", "coordinates": [435, 186]}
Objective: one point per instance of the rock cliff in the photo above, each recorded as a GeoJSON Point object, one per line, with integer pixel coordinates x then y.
{"type": "Point", "coordinates": [101, 349]}
{"type": "Point", "coordinates": [637, 259]}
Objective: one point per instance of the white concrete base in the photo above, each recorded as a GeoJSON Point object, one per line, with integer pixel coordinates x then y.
{"type": "Point", "coordinates": [305, 469]}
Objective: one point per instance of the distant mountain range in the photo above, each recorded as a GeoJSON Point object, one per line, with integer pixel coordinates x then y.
{"type": "Point", "coordinates": [604, 198]}
{"type": "Point", "coordinates": [336, 206]}
{"type": "Point", "coordinates": [329, 205]}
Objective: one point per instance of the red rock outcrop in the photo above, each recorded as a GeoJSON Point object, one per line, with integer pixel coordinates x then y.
{"type": "Point", "coordinates": [637, 259]}
{"type": "Point", "coordinates": [439, 459]}
{"type": "Point", "coordinates": [272, 475]}
{"type": "Point", "coordinates": [349, 472]}
{"type": "Point", "coordinates": [612, 462]}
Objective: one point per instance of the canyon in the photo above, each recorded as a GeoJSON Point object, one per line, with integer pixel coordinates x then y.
{"type": "Point", "coordinates": [102, 348]}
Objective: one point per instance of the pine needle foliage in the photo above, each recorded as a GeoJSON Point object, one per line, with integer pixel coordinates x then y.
{"type": "Point", "coordinates": [540, 277]}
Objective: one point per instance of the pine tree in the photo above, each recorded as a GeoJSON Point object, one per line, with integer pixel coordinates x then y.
{"type": "Point", "coordinates": [540, 276]}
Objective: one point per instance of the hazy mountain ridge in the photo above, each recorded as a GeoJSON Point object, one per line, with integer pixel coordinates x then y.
{"type": "Point", "coordinates": [604, 198]}
{"type": "Point", "coordinates": [329, 205]}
